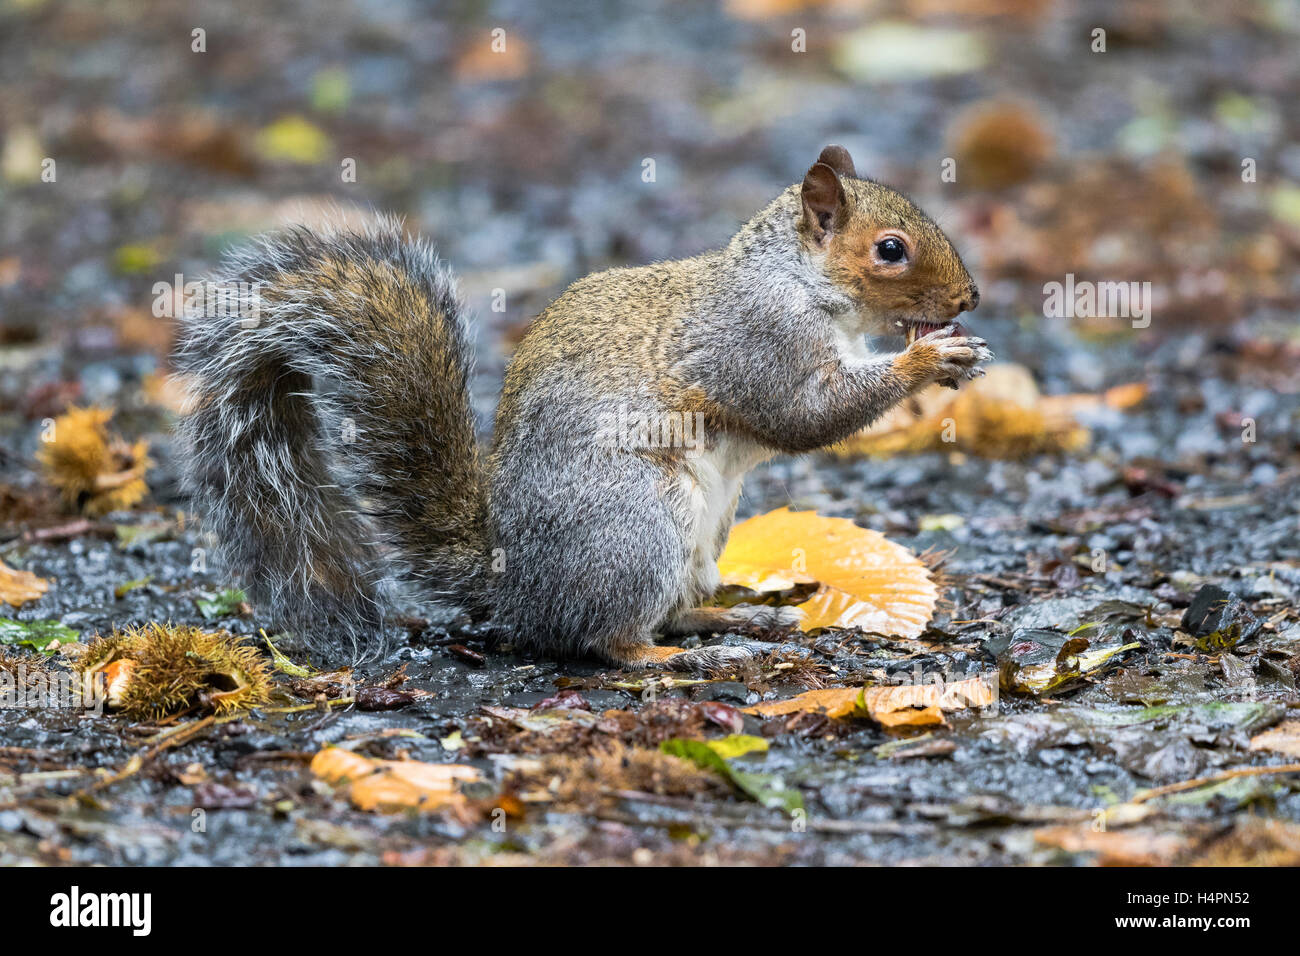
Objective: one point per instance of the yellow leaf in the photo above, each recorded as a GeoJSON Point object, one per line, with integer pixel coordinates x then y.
{"type": "Point", "coordinates": [19, 587]}
{"type": "Point", "coordinates": [293, 139]}
{"type": "Point", "coordinates": [737, 745]}
{"type": "Point", "coordinates": [387, 785]}
{"type": "Point", "coordinates": [866, 580]}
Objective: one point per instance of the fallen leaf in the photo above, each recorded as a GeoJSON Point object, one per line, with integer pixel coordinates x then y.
{"type": "Point", "coordinates": [895, 51]}
{"type": "Point", "coordinates": [920, 705]}
{"type": "Point", "coordinates": [392, 785]}
{"type": "Point", "coordinates": [40, 635]}
{"type": "Point", "coordinates": [910, 717]}
{"type": "Point", "coordinates": [1132, 847]}
{"type": "Point", "coordinates": [889, 705]}
{"type": "Point", "coordinates": [126, 587]}
{"type": "Point", "coordinates": [543, 721]}
{"type": "Point", "coordinates": [831, 701]}
{"type": "Point", "coordinates": [1254, 841]}
{"type": "Point", "coordinates": [737, 745]}
{"type": "Point", "coordinates": [293, 139]}
{"type": "Point", "coordinates": [1282, 739]}
{"type": "Point", "coordinates": [866, 580]}
{"type": "Point", "coordinates": [19, 587]}
{"type": "Point", "coordinates": [1002, 415]}
{"type": "Point", "coordinates": [488, 59]}
{"type": "Point", "coordinates": [766, 789]}
{"type": "Point", "coordinates": [383, 698]}
{"type": "Point", "coordinates": [231, 602]}
{"type": "Point", "coordinates": [22, 156]}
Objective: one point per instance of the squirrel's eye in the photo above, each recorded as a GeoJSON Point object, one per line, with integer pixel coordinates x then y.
{"type": "Point", "coordinates": [891, 250]}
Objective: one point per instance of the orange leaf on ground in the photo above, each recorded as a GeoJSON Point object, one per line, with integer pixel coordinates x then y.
{"type": "Point", "coordinates": [389, 785]}
{"type": "Point", "coordinates": [1282, 739]}
{"type": "Point", "coordinates": [494, 58]}
{"type": "Point", "coordinates": [910, 717]}
{"type": "Point", "coordinates": [956, 695]}
{"type": "Point", "coordinates": [832, 701]}
{"type": "Point", "coordinates": [906, 705]}
{"type": "Point", "coordinates": [866, 580]}
{"type": "Point", "coordinates": [19, 587]}
{"type": "Point", "coordinates": [1002, 415]}
{"type": "Point", "coordinates": [1133, 847]}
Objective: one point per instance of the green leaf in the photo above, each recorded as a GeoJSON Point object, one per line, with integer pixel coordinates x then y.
{"type": "Point", "coordinates": [331, 90]}
{"type": "Point", "coordinates": [35, 634]}
{"type": "Point", "coordinates": [940, 522]}
{"type": "Point", "coordinates": [123, 589]}
{"type": "Point", "coordinates": [129, 534]}
{"type": "Point", "coordinates": [225, 604]}
{"type": "Point", "coordinates": [282, 663]}
{"type": "Point", "coordinates": [763, 788]}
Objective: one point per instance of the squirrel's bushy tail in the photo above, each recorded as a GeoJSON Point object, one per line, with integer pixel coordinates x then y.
{"type": "Point", "coordinates": [331, 441]}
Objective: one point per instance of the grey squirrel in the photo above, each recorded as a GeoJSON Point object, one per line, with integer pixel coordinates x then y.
{"type": "Point", "coordinates": [332, 448]}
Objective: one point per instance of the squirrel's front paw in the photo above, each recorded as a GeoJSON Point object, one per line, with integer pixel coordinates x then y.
{"type": "Point", "coordinates": [946, 358]}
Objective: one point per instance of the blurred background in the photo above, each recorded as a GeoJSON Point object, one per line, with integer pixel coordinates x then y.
{"type": "Point", "coordinates": [1151, 141]}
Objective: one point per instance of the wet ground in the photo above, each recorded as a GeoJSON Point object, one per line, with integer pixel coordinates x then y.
{"type": "Point", "coordinates": [159, 166]}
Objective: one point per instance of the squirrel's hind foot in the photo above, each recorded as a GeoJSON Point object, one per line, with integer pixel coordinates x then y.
{"type": "Point", "coordinates": [698, 659]}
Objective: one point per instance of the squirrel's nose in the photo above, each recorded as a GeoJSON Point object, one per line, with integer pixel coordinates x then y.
{"type": "Point", "coordinates": [969, 301]}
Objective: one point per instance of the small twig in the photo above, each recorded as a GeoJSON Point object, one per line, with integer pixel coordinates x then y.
{"type": "Point", "coordinates": [70, 529]}
{"type": "Point", "coordinates": [314, 705]}
{"type": "Point", "coordinates": [1199, 782]}
{"type": "Point", "coordinates": [172, 737]}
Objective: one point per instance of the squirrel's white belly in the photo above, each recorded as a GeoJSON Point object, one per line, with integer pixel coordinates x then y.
{"type": "Point", "coordinates": [712, 483]}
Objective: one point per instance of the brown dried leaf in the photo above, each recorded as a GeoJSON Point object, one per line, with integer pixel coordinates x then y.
{"type": "Point", "coordinates": [19, 587]}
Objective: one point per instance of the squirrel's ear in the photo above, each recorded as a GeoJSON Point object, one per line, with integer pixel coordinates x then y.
{"type": "Point", "coordinates": [823, 202]}
{"type": "Point", "coordinates": [838, 159]}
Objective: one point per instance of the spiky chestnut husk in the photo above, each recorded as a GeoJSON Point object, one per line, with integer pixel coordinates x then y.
{"type": "Point", "coordinates": [30, 664]}
{"type": "Point", "coordinates": [95, 472]}
{"type": "Point", "coordinates": [161, 670]}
